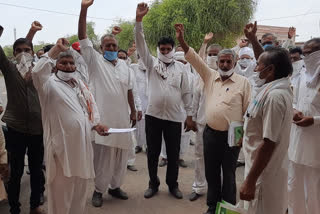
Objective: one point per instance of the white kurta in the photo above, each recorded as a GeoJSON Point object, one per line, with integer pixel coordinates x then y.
{"type": "Point", "coordinates": [67, 140]}
{"type": "Point", "coordinates": [110, 85]}
{"type": "Point", "coordinates": [273, 121]}
{"type": "Point", "coordinates": [198, 104]}
{"type": "Point", "coordinates": [66, 124]}
{"type": "Point", "coordinates": [304, 149]}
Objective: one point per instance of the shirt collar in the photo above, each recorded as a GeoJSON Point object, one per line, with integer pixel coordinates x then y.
{"type": "Point", "coordinates": [233, 78]}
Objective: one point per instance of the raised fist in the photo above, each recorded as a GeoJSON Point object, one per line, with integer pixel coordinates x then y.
{"type": "Point", "coordinates": [36, 26]}
{"type": "Point", "coordinates": [116, 30]}
{"type": "Point", "coordinates": [142, 10]}
{"type": "Point", "coordinates": [86, 3]}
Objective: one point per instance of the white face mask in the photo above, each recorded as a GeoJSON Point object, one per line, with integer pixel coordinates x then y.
{"type": "Point", "coordinates": [226, 73]}
{"type": "Point", "coordinates": [245, 62]}
{"type": "Point", "coordinates": [258, 82]}
{"type": "Point", "coordinates": [212, 62]}
{"type": "Point", "coordinates": [65, 76]}
{"type": "Point", "coordinates": [168, 58]}
{"type": "Point", "coordinates": [24, 63]}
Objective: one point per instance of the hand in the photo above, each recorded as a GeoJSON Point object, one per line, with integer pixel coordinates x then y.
{"type": "Point", "coordinates": [239, 143]}
{"type": "Point", "coordinates": [305, 122]}
{"type": "Point", "coordinates": [132, 49]}
{"type": "Point", "coordinates": [28, 76]}
{"type": "Point", "coordinates": [4, 172]}
{"type": "Point", "coordinates": [36, 26]}
{"type": "Point", "coordinates": [139, 115]}
{"type": "Point", "coordinates": [243, 43]}
{"type": "Point", "coordinates": [189, 124]}
{"type": "Point", "coordinates": [297, 115]}
{"type": "Point", "coordinates": [1, 109]}
{"type": "Point", "coordinates": [247, 191]}
{"type": "Point", "coordinates": [101, 130]}
{"type": "Point", "coordinates": [62, 44]}
{"type": "Point", "coordinates": [208, 38]}
{"type": "Point", "coordinates": [179, 31]}
{"type": "Point", "coordinates": [1, 30]}
{"type": "Point", "coordinates": [142, 10]}
{"type": "Point", "coordinates": [116, 30]}
{"type": "Point", "coordinates": [292, 32]}
{"type": "Point", "coordinates": [133, 118]}
{"type": "Point", "coordinates": [250, 31]}
{"type": "Point", "coordinates": [86, 3]}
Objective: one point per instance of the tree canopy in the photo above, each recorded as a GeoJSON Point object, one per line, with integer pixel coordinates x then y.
{"type": "Point", "coordinates": [225, 18]}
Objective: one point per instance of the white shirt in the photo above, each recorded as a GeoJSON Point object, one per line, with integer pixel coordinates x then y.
{"type": "Point", "coordinates": [273, 121]}
{"type": "Point", "coordinates": [66, 125]}
{"type": "Point", "coordinates": [110, 85]}
{"type": "Point", "coordinates": [305, 141]}
{"type": "Point", "coordinates": [168, 98]}
{"type": "Point", "coordinates": [141, 80]}
{"type": "Point", "coordinates": [198, 102]}
{"type": "Point", "coordinates": [137, 100]}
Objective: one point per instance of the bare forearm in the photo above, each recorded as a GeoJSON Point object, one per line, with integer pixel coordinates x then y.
{"type": "Point", "coordinates": [30, 35]}
{"type": "Point", "coordinates": [257, 48]}
{"type": "Point", "coordinates": [131, 101]}
{"type": "Point", "coordinates": [82, 26]}
{"type": "Point", "coordinates": [184, 45]}
{"type": "Point", "coordinates": [262, 159]}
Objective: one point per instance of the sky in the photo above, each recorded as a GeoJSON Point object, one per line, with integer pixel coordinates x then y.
{"type": "Point", "coordinates": [268, 12]}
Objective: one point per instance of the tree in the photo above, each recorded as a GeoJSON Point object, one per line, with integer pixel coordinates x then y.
{"type": "Point", "coordinates": [225, 18]}
{"type": "Point", "coordinates": [126, 37]}
{"type": "Point", "coordinates": [90, 33]}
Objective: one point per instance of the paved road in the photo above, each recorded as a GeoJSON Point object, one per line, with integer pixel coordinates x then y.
{"type": "Point", "coordinates": [135, 184]}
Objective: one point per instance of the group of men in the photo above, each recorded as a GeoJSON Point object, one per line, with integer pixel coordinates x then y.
{"type": "Point", "coordinates": [56, 102]}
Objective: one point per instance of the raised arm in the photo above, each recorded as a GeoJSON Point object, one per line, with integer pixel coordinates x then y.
{"type": "Point", "coordinates": [82, 26]}
{"type": "Point", "coordinates": [43, 69]}
{"type": "Point", "coordinates": [191, 56]}
{"type": "Point", "coordinates": [289, 42]}
{"type": "Point", "coordinates": [142, 48]}
{"type": "Point", "coordinates": [35, 27]}
{"type": "Point", "coordinates": [203, 49]}
{"type": "Point", "coordinates": [250, 32]}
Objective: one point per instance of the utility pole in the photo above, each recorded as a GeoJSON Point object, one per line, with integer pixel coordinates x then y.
{"type": "Point", "coordinates": [15, 34]}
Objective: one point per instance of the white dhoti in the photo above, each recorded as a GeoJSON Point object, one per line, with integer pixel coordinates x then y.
{"type": "Point", "coordinates": [303, 189]}
{"type": "Point", "coordinates": [132, 152]}
{"type": "Point", "coordinates": [110, 166]}
{"type": "Point", "coordinates": [184, 144]}
{"type": "Point", "coordinates": [200, 184]}
{"type": "Point", "coordinates": [67, 195]}
{"type": "Point", "coordinates": [271, 194]}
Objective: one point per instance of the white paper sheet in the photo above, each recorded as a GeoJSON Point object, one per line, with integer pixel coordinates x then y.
{"type": "Point", "coordinates": [118, 131]}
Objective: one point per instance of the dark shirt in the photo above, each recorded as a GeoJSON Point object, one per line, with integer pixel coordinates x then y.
{"type": "Point", "coordinates": [23, 112]}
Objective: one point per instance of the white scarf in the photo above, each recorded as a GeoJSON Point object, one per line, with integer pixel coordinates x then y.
{"type": "Point", "coordinates": [312, 63]}
{"type": "Point", "coordinates": [87, 102]}
{"type": "Point", "coordinates": [262, 93]}
{"type": "Point", "coordinates": [24, 63]}
{"type": "Point", "coordinates": [161, 67]}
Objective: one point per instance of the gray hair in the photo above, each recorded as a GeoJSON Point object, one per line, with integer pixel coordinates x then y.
{"type": "Point", "coordinates": [67, 53]}
{"type": "Point", "coordinates": [214, 46]}
{"type": "Point", "coordinates": [274, 38]}
{"type": "Point", "coordinates": [228, 52]}
{"type": "Point", "coordinates": [109, 36]}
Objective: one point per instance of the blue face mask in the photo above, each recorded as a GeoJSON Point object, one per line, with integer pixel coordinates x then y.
{"type": "Point", "coordinates": [110, 55]}
{"type": "Point", "coordinates": [267, 46]}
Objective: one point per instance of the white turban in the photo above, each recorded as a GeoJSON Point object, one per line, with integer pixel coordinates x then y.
{"type": "Point", "coordinates": [246, 51]}
{"type": "Point", "coordinates": [179, 56]}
